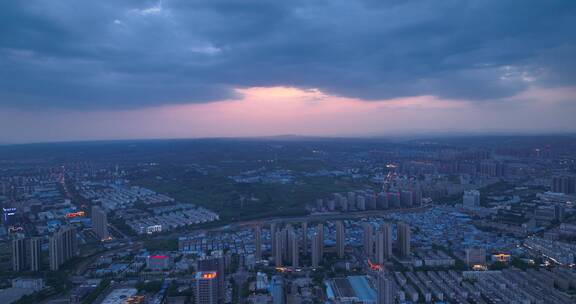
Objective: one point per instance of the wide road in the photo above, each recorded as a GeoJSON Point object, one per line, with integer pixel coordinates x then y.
{"type": "Point", "coordinates": [309, 218]}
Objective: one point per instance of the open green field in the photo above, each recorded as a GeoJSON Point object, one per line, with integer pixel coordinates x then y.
{"type": "Point", "coordinates": [241, 201]}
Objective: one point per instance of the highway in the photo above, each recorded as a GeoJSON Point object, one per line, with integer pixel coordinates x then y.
{"type": "Point", "coordinates": [309, 218]}
{"type": "Point", "coordinates": [318, 217]}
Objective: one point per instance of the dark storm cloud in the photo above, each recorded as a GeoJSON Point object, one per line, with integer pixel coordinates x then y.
{"type": "Point", "coordinates": [127, 54]}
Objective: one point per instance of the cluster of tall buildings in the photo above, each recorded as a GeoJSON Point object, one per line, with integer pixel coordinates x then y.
{"type": "Point", "coordinates": [398, 197]}
{"type": "Point", "coordinates": [492, 168]}
{"type": "Point", "coordinates": [62, 245]}
{"type": "Point", "coordinates": [486, 168]}
{"type": "Point", "coordinates": [27, 251]}
{"type": "Point", "coordinates": [378, 245]}
{"type": "Point", "coordinates": [287, 245]}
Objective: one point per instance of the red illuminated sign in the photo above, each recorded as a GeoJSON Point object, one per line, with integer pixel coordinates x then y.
{"type": "Point", "coordinates": [76, 214]}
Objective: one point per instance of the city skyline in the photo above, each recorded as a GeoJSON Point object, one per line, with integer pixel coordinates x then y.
{"type": "Point", "coordinates": [455, 220]}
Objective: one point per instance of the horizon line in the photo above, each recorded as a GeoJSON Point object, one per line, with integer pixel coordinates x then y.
{"type": "Point", "coordinates": [408, 135]}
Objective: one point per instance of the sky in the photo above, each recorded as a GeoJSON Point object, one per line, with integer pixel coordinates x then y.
{"type": "Point", "coordinates": [133, 69]}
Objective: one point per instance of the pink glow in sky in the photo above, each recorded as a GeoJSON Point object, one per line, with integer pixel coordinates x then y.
{"type": "Point", "coordinates": [265, 111]}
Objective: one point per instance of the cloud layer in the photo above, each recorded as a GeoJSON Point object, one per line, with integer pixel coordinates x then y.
{"type": "Point", "coordinates": [130, 54]}
{"type": "Point", "coordinates": [282, 110]}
